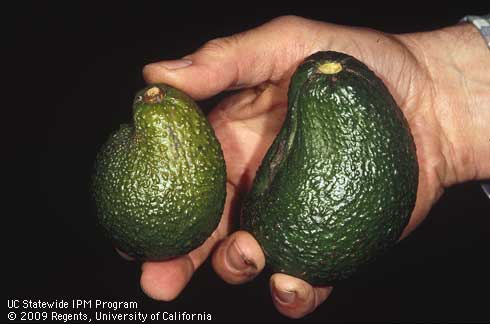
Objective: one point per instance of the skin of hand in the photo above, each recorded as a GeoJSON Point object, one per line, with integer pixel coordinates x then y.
{"type": "Point", "coordinates": [437, 78]}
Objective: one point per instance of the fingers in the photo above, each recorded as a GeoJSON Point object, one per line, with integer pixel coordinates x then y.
{"type": "Point", "coordinates": [165, 280]}
{"type": "Point", "coordinates": [242, 60]}
{"type": "Point", "coordinates": [239, 258]}
{"type": "Point", "coordinates": [294, 297]}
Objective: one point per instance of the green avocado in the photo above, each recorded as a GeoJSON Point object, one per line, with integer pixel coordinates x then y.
{"type": "Point", "coordinates": [160, 183]}
{"type": "Point", "coordinates": [338, 185]}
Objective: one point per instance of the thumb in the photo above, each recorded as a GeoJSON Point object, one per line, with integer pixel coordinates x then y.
{"type": "Point", "coordinates": [246, 59]}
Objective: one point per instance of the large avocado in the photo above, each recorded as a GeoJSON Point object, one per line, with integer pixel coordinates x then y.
{"type": "Point", "coordinates": [159, 183]}
{"type": "Point", "coordinates": [338, 185]}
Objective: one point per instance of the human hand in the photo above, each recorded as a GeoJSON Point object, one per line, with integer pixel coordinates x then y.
{"type": "Point", "coordinates": [260, 62]}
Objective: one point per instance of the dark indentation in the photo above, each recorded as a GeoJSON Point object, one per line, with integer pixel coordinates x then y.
{"type": "Point", "coordinates": [278, 157]}
{"type": "Point", "coordinates": [175, 139]}
{"type": "Point", "coordinates": [360, 75]}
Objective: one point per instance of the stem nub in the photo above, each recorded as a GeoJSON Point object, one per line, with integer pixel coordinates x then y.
{"type": "Point", "coordinates": [330, 67]}
{"type": "Point", "coordinates": [153, 95]}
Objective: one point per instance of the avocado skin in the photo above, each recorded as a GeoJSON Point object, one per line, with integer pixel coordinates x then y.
{"type": "Point", "coordinates": [338, 185]}
{"type": "Point", "coordinates": [160, 183]}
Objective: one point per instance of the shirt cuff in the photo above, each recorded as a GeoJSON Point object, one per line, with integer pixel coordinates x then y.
{"type": "Point", "coordinates": [482, 23]}
{"type": "Point", "coordinates": [486, 188]}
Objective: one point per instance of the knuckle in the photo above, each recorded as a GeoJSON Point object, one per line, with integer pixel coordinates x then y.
{"type": "Point", "coordinates": [219, 46]}
{"type": "Point", "coordinates": [288, 20]}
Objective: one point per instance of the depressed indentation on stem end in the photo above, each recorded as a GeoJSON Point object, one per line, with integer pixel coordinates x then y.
{"type": "Point", "coordinates": [330, 67]}
{"type": "Point", "coordinates": [153, 95]}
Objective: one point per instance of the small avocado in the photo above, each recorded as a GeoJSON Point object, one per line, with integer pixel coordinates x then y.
{"type": "Point", "coordinates": [338, 185]}
{"type": "Point", "coordinates": [160, 183]}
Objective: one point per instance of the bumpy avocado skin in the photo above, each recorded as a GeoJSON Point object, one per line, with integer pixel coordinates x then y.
{"type": "Point", "coordinates": [338, 185]}
{"type": "Point", "coordinates": [159, 183]}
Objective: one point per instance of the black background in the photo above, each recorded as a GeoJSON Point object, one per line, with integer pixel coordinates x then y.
{"type": "Point", "coordinates": [69, 75]}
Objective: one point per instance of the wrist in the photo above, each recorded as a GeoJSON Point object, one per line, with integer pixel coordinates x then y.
{"type": "Point", "coordinates": [458, 63]}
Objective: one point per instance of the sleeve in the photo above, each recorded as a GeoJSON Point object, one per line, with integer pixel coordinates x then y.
{"type": "Point", "coordinates": [482, 23]}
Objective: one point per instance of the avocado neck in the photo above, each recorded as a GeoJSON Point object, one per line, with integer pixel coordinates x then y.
{"type": "Point", "coordinates": [149, 121]}
{"type": "Point", "coordinates": [148, 112]}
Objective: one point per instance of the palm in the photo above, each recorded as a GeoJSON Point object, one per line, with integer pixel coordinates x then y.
{"type": "Point", "coordinates": [247, 122]}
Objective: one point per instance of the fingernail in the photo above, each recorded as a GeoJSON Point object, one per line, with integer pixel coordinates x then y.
{"type": "Point", "coordinates": [236, 258]}
{"type": "Point", "coordinates": [124, 255]}
{"type": "Point", "coordinates": [284, 296]}
{"type": "Point", "coordinates": [174, 64]}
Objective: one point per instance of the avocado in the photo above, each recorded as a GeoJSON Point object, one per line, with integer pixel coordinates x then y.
{"type": "Point", "coordinates": [160, 183]}
{"type": "Point", "coordinates": [338, 184]}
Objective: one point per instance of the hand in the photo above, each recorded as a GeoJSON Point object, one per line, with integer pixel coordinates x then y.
{"type": "Point", "coordinates": [260, 62]}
